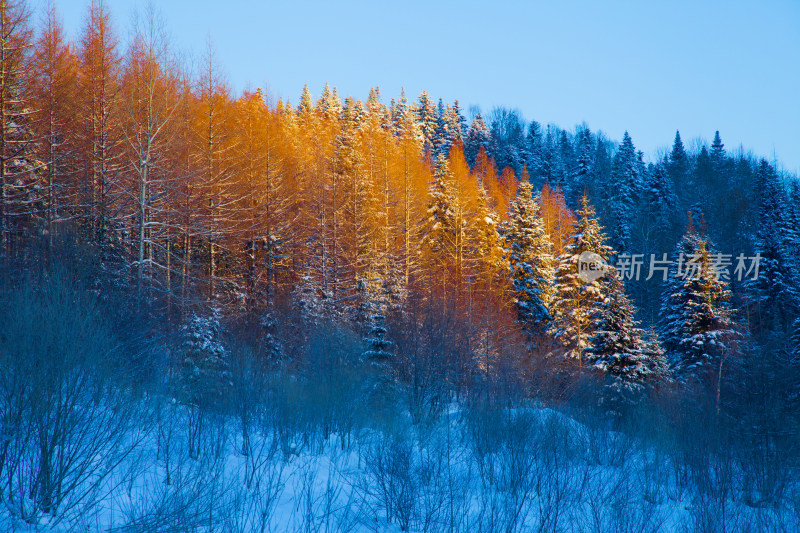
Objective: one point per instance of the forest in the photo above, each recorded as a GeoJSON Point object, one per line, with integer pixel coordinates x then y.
{"type": "Point", "coordinates": [230, 312]}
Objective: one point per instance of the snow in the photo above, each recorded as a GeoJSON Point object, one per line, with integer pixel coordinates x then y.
{"type": "Point", "coordinates": [470, 468]}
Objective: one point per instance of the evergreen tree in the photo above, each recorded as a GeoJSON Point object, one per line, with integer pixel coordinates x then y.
{"type": "Point", "coordinates": [601, 170]}
{"type": "Point", "coordinates": [793, 231]}
{"type": "Point", "coordinates": [535, 153]}
{"type": "Point", "coordinates": [660, 203]}
{"type": "Point", "coordinates": [486, 239]}
{"type": "Point", "coordinates": [441, 136]}
{"type": "Point", "coordinates": [772, 294]}
{"type": "Point", "coordinates": [401, 113]}
{"type": "Point", "coordinates": [449, 129]}
{"type": "Point", "coordinates": [508, 144]}
{"type": "Point", "coordinates": [679, 169]}
{"type": "Point", "coordinates": [581, 179]}
{"type": "Point", "coordinates": [629, 358]}
{"type": "Point", "coordinates": [205, 367]}
{"type": "Point", "coordinates": [624, 190]}
{"type": "Point", "coordinates": [477, 137]}
{"type": "Point", "coordinates": [306, 104]}
{"type": "Point", "coordinates": [697, 327]}
{"type": "Point", "coordinates": [578, 300]}
{"type": "Point", "coordinates": [567, 168]}
{"type": "Point", "coordinates": [718, 155]}
{"type": "Point", "coordinates": [378, 346]}
{"type": "Point", "coordinates": [531, 261]}
{"type": "Point", "coordinates": [456, 123]}
{"type": "Point", "coordinates": [439, 228]}
{"type": "Point", "coordinates": [428, 119]}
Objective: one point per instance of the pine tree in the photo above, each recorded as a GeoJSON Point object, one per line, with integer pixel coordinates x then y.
{"type": "Point", "coordinates": [306, 105]}
{"type": "Point", "coordinates": [378, 346]}
{"type": "Point", "coordinates": [486, 235]}
{"type": "Point", "coordinates": [660, 204]}
{"type": "Point", "coordinates": [718, 155]}
{"type": "Point", "coordinates": [697, 327]}
{"type": "Point", "coordinates": [793, 233]}
{"type": "Point", "coordinates": [566, 155]}
{"type": "Point", "coordinates": [531, 262]}
{"type": "Point", "coordinates": [772, 294]}
{"type": "Point", "coordinates": [581, 179]}
{"type": "Point", "coordinates": [623, 352]}
{"type": "Point", "coordinates": [439, 233]}
{"type": "Point", "coordinates": [624, 191]}
{"type": "Point", "coordinates": [427, 118]}
{"type": "Point", "coordinates": [456, 123]}
{"type": "Point", "coordinates": [441, 136]}
{"type": "Point", "coordinates": [535, 153]}
{"type": "Point", "coordinates": [477, 137]}
{"type": "Point", "coordinates": [205, 367]}
{"type": "Point", "coordinates": [577, 300]}
{"type": "Point", "coordinates": [374, 303]}
{"type": "Point", "coordinates": [679, 169]}
{"type": "Point", "coordinates": [508, 143]}
{"type": "Point", "coordinates": [329, 105]}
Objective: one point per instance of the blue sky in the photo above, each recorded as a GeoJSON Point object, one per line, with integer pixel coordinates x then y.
{"type": "Point", "coordinates": [648, 67]}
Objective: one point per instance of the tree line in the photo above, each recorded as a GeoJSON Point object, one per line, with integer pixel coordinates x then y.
{"type": "Point", "coordinates": [389, 217]}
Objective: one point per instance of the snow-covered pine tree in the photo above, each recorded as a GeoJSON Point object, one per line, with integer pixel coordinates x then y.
{"type": "Point", "coordinates": [581, 179]}
{"type": "Point", "coordinates": [329, 105]}
{"type": "Point", "coordinates": [306, 105]}
{"type": "Point", "coordinates": [206, 375]}
{"type": "Point", "coordinates": [660, 197]}
{"type": "Point", "coordinates": [449, 128]}
{"type": "Point", "coordinates": [428, 118]}
{"type": "Point", "coordinates": [439, 227]}
{"type": "Point", "coordinates": [657, 215]}
{"type": "Point", "coordinates": [456, 123]}
{"type": "Point", "coordinates": [530, 261]}
{"type": "Point", "coordinates": [399, 111]}
{"type": "Point", "coordinates": [566, 156]}
{"type": "Point", "coordinates": [718, 155]}
{"type": "Point", "coordinates": [378, 346]}
{"type": "Point", "coordinates": [793, 231]}
{"type": "Point", "coordinates": [477, 137]}
{"type": "Point", "coordinates": [485, 238]}
{"type": "Point", "coordinates": [375, 300]}
{"type": "Point", "coordinates": [679, 170]}
{"type": "Point", "coordinates": [625, 354]}
{"type": "Point", "coordinates": [310, 302]}
{"type": "Point", "coordinates": [507, 144]}
{"type": "Point", "coordinates": [534, 152]}
{"type": "Point", "coordinates": [696, 321]}
{"type": "Point", "coordinates": [576, 301]}
{"type": "Point", "coordinates": [622, 195]}
{"type": "Point", "coordinates": [772, 295]}
{"type": "Point", "coordinates": [271, 345]}
{"type": "Point", "coordinates": [441, 138]}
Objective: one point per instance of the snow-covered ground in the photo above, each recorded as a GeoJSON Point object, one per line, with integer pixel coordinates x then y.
{"type": "Point", "coordinates": [528, 469]}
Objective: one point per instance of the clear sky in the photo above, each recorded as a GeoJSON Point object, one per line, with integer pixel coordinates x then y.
{"type": "Point", "coordinates": [651, 67]}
